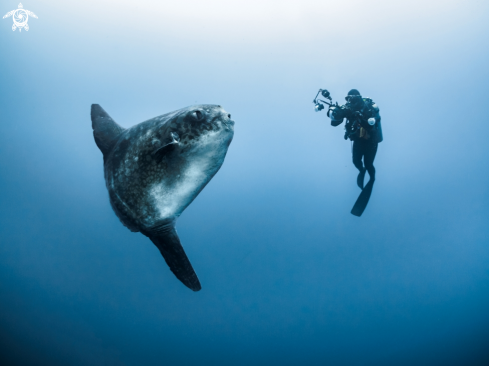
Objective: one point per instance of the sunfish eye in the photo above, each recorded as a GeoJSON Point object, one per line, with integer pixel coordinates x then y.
{"type": "Point", "coordinates": [198, 115]}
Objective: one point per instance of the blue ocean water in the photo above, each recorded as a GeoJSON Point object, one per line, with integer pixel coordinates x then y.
{"type": "Point", "coordinates": [289, 276]}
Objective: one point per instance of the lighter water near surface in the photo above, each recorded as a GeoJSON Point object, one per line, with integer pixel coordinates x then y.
{"type": "Point", "coordinates": [289, 276]}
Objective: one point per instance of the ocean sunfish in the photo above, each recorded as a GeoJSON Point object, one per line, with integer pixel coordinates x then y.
{"type": "Point", "coordinates": [155, 169]}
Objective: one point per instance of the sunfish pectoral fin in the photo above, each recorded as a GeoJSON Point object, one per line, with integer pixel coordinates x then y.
{"type": "Point", "coordinates": [168, 242]}
{"type": "Point", "coordinates": [174, 139]}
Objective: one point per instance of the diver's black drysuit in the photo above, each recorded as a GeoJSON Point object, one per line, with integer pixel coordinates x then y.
{"type": "Point", "coordinates": [365, 120]}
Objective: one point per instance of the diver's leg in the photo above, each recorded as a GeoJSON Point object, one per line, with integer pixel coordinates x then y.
{"type": "Point", "coordinates": [370, 152]}
{"type": "Point", "coordinates": [362, 201]}
{"type": "Point", "coordinates": [357, 155]}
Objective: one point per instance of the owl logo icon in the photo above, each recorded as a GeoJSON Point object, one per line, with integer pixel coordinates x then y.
{"type": "Point", "coordinates": [20, 16]}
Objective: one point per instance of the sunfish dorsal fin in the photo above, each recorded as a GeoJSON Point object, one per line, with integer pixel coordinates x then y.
{"type": "Point", "coordinates": [105, 130]}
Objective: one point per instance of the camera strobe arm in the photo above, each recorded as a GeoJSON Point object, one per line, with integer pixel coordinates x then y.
{"type": "Point", "coordinates": [317, 105]}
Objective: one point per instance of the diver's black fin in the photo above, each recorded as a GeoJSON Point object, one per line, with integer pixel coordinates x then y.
{"type": "Point", "coordinates": [105, 130]}
{"type": "Point", "coordinates": [168, 242]}
{"type": "Point", "coordinates": [362, 200]}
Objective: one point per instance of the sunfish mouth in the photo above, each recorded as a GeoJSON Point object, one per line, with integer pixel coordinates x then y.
{"type": "Point", "coordinates": [229, 122]}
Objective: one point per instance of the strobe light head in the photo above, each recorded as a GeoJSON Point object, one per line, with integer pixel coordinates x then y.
{"type": "Point", "coordinates": [318, 107]}
{"type": "Point", "coordinates": [325, 94]}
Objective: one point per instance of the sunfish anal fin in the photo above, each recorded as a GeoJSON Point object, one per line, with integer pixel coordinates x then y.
{"type": "Point", "coordinates": [168, 242]}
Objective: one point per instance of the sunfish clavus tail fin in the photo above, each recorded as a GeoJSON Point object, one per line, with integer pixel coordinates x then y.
{"type": "Point", "coordinates": [168, 243]}
{"type": "Point", "coordinates": [105, 130]}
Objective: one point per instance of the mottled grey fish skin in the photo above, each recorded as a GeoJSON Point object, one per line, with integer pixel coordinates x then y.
{"type": "Point", "coordinates": [155, 169]}
{"type": "Point", "coordinates": [150, 180]}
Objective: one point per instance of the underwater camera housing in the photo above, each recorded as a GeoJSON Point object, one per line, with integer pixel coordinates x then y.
{"type": "Point", "coordinates": [320, 106]}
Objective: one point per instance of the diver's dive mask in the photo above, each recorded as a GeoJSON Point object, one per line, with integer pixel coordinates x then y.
{"type": "Point", "coordinates": [353, 99]}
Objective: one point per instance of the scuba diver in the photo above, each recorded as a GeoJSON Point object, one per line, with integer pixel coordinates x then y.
{"type": "Point", "coordinates": [364, 129]}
